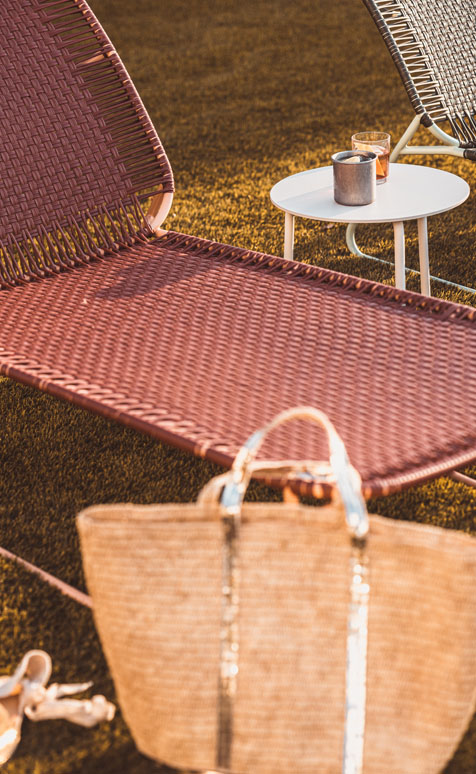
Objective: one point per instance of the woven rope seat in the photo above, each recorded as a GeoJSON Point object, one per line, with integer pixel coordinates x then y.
{"type": "Point", "coordinates": [194, 342]}
{"type": "Point", "coordinates": [433, 45]}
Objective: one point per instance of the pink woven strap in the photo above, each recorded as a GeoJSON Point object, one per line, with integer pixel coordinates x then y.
{"type": "Point", "coordinates": [83, 149]}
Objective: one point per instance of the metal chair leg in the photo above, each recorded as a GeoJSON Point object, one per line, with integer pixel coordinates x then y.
{"type": "Point", "coordinates": [463, 479]}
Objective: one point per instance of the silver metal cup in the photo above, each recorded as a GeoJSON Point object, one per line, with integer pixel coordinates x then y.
{"type": "Point", "coordinates": [355, 181]}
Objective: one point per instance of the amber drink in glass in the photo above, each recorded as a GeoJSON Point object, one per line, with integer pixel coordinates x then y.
{"type": "Point", "coordinates": [379, 143]}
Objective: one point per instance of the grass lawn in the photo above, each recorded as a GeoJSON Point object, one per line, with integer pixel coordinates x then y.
{"type": "Point", "coordinates": [242, 94]}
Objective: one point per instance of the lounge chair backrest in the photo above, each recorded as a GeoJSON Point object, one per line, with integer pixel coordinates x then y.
{"type": "Point", "coordinates": [433, 45]}
{"type": "Point", "coordinates": [76, 139]}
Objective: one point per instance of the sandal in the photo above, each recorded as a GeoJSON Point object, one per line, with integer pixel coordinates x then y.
{"type": "Point", "coordinates": [25, 693]}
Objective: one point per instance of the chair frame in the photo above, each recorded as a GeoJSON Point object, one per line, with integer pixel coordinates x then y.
{"type": "Point", "coordinates": [158, 210]}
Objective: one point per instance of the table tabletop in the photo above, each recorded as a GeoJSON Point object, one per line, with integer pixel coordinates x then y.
{"type": "Point", "coordinates": [411, 192]}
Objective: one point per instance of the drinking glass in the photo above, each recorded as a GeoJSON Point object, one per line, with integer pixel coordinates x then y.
{"type": "Point", "coordinates": [379, 143]}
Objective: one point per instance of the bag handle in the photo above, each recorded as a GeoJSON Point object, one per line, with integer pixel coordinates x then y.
{"type": "Point", "coordinates": [342, 474]}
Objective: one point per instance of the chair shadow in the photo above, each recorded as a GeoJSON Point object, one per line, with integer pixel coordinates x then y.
{"type": "Point", "coordinates": [144, 276]}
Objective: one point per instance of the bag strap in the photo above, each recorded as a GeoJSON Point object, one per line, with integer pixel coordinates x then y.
{"type": "Point", "coordinates": [233, 485]}
{"type": "Point", "coordinates": [227, 492]}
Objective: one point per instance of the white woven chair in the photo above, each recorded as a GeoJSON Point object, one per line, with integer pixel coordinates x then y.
{"type": "Point", "coordinates": [433, 46]}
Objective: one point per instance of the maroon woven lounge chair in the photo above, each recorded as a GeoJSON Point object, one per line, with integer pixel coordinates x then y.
{"type": "Point", "coordinates": [194, 342]}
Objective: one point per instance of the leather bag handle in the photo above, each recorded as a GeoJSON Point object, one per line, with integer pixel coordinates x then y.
{"type": "Point", "coordinates": [233, 484]}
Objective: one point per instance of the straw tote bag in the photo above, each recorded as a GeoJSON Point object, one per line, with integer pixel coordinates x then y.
{"type": "Point", "coordinates": [268, 638]}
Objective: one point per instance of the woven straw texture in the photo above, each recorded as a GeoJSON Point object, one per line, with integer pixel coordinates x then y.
{"type": "Point", "coordinates": [154, 573]}
{"type": "Point", "coordinates": [197, 343]}
{"type": "Point", "coordinates": [433, 45]}
{"type": "Point", "coordinates": [78, 135]}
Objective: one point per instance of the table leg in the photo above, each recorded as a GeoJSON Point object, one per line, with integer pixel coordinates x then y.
{"type": "Point", "coordinates": [288, 235]}
{"type": "Point", "coordinates": [399, 232]}
{"type": "Point", "coordinates": [424, 260]}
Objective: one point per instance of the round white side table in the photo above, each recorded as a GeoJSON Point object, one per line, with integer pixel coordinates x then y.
{"type": "Point", "coordinates": [410, 193]}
